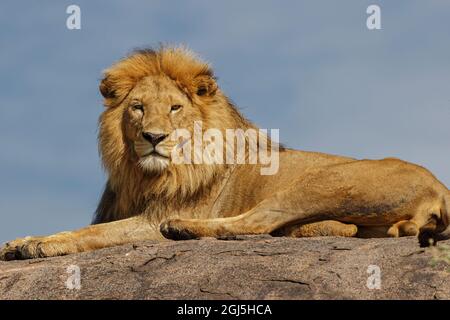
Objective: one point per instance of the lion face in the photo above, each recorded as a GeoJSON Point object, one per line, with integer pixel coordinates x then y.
{"type": "Point", "coordinates": [154, 109]}
{"type": "Point", "coordinates": [147, 97]}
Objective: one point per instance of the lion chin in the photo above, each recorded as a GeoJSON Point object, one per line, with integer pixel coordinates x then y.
{"type": "Point", "coordinates": [154, 163]}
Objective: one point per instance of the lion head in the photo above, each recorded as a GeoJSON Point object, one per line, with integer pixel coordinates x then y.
{"type": "Point", "coordinates": [148, 95]}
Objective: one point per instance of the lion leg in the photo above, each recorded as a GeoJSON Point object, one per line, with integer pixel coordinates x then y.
{"type": "Point", "coordinates": [86, 239]}
{"type": "Point", "coordinates": [260, 220]}
{"type": "Point", "coordinates": [253, 222]}
{"type": "Point", "coordinates": [403, 228]}
{"type": "Point", "coordinates": [424, 226]}
{"type": "Point", "coordinates": [247, 223]}
{"type": "Point", "coordinates": [318, 229]}
{"type": "Point", "coordinates": [271, 214]}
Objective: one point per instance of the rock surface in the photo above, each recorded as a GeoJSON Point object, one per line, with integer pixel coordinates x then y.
{"type": "Point", "coordinates": [258, 267]}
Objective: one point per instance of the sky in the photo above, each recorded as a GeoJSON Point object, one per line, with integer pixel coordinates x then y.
{"type": "Point", "coordinates": [309, 68]}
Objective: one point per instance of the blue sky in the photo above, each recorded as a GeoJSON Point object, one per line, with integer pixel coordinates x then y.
{"type": "Point", "coordinates": [310, 68]}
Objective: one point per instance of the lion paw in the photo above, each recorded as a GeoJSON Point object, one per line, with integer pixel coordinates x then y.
{"type": "Point", "coordinates": [10, 251]}
{"type": "Point", "coordinates": [36, 247]}
{"type": "Point", "coordinates": [174, 230]}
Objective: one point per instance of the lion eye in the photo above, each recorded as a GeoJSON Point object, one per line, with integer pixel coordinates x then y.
{"type": "Point", "coordinates": [201, 91]}
{"type": "Point", "coordinates": [175, 107]}
{"type": "Point", "coordinates": [138, 107]}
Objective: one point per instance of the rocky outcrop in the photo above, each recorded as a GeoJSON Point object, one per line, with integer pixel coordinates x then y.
{"type": "Point", "coordinates": [256, 267]}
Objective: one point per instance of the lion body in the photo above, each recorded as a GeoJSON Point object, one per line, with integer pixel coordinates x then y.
{"type": "Point", "coordinates": [148, 197]}
{"type": "Point", "coordinates": [371, 194]}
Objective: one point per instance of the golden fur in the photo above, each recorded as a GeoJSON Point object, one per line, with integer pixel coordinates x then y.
{"type": "Point", "coordinates": [178, 183]}
{"type": "Point", "coordinates": [149, 197]}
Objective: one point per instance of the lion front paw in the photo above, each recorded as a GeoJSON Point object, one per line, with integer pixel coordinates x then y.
{"type": "Point", "coordinates": [10, 251]}
{"type": "Point", "coordinates": [175, 229]}
{"type": "Point", "coordinates": [37, 247]}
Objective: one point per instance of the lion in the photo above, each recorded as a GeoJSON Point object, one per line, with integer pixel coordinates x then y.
{"type": "Point", "coordinates": [149, 94]}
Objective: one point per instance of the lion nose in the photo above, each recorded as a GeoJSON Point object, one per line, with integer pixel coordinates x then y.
{"type": "Point", "coordinates": [154, 138]}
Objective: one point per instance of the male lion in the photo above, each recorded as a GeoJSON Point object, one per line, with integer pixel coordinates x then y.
{"type": "Point", "coordinates": [151, 93]}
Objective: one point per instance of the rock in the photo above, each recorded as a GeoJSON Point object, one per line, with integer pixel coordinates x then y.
{"type": "Point", "coordinates": [247, 267]}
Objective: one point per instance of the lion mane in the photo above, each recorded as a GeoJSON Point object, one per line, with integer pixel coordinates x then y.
{"type": "Point", "coordinates": [130, 189]}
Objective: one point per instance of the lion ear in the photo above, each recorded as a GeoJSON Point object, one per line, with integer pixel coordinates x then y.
{"type": "Point", "coordinates": [205, 85]}
{"type": "Point", "coordinates": [106, 89]}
